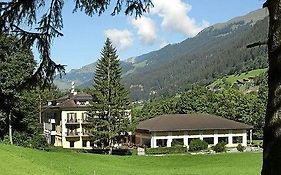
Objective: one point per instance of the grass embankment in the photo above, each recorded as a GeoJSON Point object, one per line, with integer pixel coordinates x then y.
{"type": "Point", "coordinates": [21, 161]}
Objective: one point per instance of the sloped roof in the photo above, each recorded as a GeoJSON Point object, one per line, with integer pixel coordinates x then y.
{"type": "Point", "coordinates": [69, 101]}
{"type": "Point", "coordinates": [79, 96]}
{"type": "Point", "coordinates": [82, 96]}
{"type": "Point", "coordinates": [184, 122]}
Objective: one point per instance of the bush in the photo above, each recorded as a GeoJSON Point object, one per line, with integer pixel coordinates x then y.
{"type": "Point", "coordinates": [198, 145]}
{"type": "Point", "coordinates": [122, 152]}
{"type": "Point", "coordinates": [219, 147]}
{"type": "Point", "coordinates": [39, 142]}
{"type": "Point", "coordinates": [21, 139]}
{"type": "Point", "coordinates": [240, 148]}
{"type": "Point", "coordinates": [166, 150]}
{"type": "Point", "coordinates": [177, 143]}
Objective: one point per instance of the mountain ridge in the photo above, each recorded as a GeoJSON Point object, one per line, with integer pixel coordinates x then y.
{"type": "Point", "coordinates": [160, 72]}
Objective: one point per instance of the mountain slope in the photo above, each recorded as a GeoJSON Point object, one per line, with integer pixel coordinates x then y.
{"type": "Point", "coordinates": [216, 51]}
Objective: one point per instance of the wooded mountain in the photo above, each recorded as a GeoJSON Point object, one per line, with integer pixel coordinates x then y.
{"type": "Point", "coordinates": [216, 51]}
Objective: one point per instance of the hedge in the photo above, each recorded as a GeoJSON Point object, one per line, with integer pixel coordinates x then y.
{"type": "Point", "coordinates": [166, 150]}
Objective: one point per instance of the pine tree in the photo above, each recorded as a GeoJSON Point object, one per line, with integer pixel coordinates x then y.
{"type": "Point", "coordinates": [108, 115]}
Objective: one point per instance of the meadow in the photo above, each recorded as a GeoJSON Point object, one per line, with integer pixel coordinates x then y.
{"type": "Point", "coordinates": [23, 161]}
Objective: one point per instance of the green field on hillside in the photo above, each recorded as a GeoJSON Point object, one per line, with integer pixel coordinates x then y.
{"type": "Point", "coordinates": [233, 78]}
{"type": "Point", "coordinates": [21, 161]}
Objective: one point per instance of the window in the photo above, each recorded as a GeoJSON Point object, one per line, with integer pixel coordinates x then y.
{"type": "Point", "coordinates": [190, 140]}
{"type": "Point", "coordinates": [177, 142]}
{"type": "Point", "coordinates": [161, 142]}
{"type": "Point", "coordinates": [71, 117]}
{"type": "Point", "coordinates": [237, 139]}
{"type": "Point", "coordinates": [223, 139]}
{"type": "Point", "coordinates": [52, 140]}
{"type": "Point", "coordinates": [71, 144]}
{"type": "Point", "coordinates": [84, 143]}
{"type": "Point", "coordinates": [53, 127]}
{"type": "Point", "coordinates": [209, 140]}
{"type": "Point", "coordinates": [84, 116]}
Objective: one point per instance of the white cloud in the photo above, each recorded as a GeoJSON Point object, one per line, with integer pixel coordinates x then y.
{"type": "Point", "coordinates": [175, 17]}
{"type": "Point", "coordinates": [146, 29]}
{"type": "Point", "coordinates": [121, 39]}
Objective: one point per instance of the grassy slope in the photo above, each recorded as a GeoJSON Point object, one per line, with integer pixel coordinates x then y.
{"type": "Point", "coordinates": [136, 66]}
{"type": "Point", "coordinates": [16, 160]}
{"type": "Point", "coordinates": [233, 78]}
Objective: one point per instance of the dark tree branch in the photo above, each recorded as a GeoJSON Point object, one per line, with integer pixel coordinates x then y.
{"type": "Point", "coordinates": [257, 44]}
{"type": "Point", "coordinates": [15, 13]}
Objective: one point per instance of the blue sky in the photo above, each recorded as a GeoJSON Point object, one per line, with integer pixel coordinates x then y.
{"type": "Point", "coordinates": [168, 22]}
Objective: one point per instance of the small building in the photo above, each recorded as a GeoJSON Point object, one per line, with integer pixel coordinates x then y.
{"type": "Point", "coordinates": [162, 131]}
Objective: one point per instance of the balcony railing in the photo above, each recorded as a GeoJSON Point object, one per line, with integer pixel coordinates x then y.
{"type": "Point", "coordinates": [72, 121]}
{"type": "Point", "coordinates": [72, 134]}
{"type": "Point", "coordinates": [85, 133]}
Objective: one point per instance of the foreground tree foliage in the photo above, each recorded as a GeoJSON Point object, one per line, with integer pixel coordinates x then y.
{"type": "Point", "coordinates": [108, 115]}
{"type": "Point", "coordinates": [17, 64]}
{"type": "Point", "coordinates": [44, 21]}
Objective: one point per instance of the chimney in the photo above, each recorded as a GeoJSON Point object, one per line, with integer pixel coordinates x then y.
{"type": "Point", "coordinates": [73, 92]}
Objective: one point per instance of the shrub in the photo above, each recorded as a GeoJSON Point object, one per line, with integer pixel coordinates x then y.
{"type": "Point", "coordinates": [122, 152]}
{"type": "Point", "coordinates": [39, 142]}
{"type": "Point", "coordinates": [177, 143]}
{"type": "Point", "coordinates": [198, 145]}
{"type": "Point", "coordinates": [219, 147]}
{"type": "Point", "coordinates": [21, 139]}
{"type": "Point", "coordinates": [240, 148]}
{"type": "Point", "coordinates": [166, 150]}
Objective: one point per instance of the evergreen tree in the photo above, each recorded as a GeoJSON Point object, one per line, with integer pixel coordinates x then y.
{"type": "Point", "coordinates": [108, 116]}
{"type": "Point", "coordinates": [17, 64]}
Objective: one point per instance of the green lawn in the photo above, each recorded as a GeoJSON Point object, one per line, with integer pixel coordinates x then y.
{"type": "Point", "coordinates": [17, 160]}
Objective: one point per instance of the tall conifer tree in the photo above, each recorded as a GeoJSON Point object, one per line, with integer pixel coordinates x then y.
{"type": "Point", "coordinates": [108, 115]}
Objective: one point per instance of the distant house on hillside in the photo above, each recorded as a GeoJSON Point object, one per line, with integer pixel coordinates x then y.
{"type": "Point", "coordinates": [64, 120]}
{"type": "Point", "coordinates": [161, 131]}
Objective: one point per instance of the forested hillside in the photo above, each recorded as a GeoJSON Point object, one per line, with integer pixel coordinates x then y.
{"type": "Point", "coordinates": [244, 102]}
{"type": "Point", "coordinates": [216, 51]}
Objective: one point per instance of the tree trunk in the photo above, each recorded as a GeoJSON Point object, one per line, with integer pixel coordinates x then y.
{"type": "Point", "coordinates": [40, 107]}
{"type": "Point", "coordinates": [10, 127]}
{"type": "Point", "coordinates": [272, 128]}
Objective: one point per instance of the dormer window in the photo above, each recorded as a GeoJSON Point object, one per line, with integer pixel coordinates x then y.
{"type": "Point", "coordinates": [82, 103]}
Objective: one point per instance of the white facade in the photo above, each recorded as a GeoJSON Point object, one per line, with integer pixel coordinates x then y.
{"type": "Point", "coordinates": [67, 132]}
{"type": "Point", "coordinates": [231, 137]}
{"type": "Point", "coordinates": [67, 128]}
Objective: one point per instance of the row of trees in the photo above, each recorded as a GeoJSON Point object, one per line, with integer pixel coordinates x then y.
{"type": "Point", "coordinates": [229, 103]}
